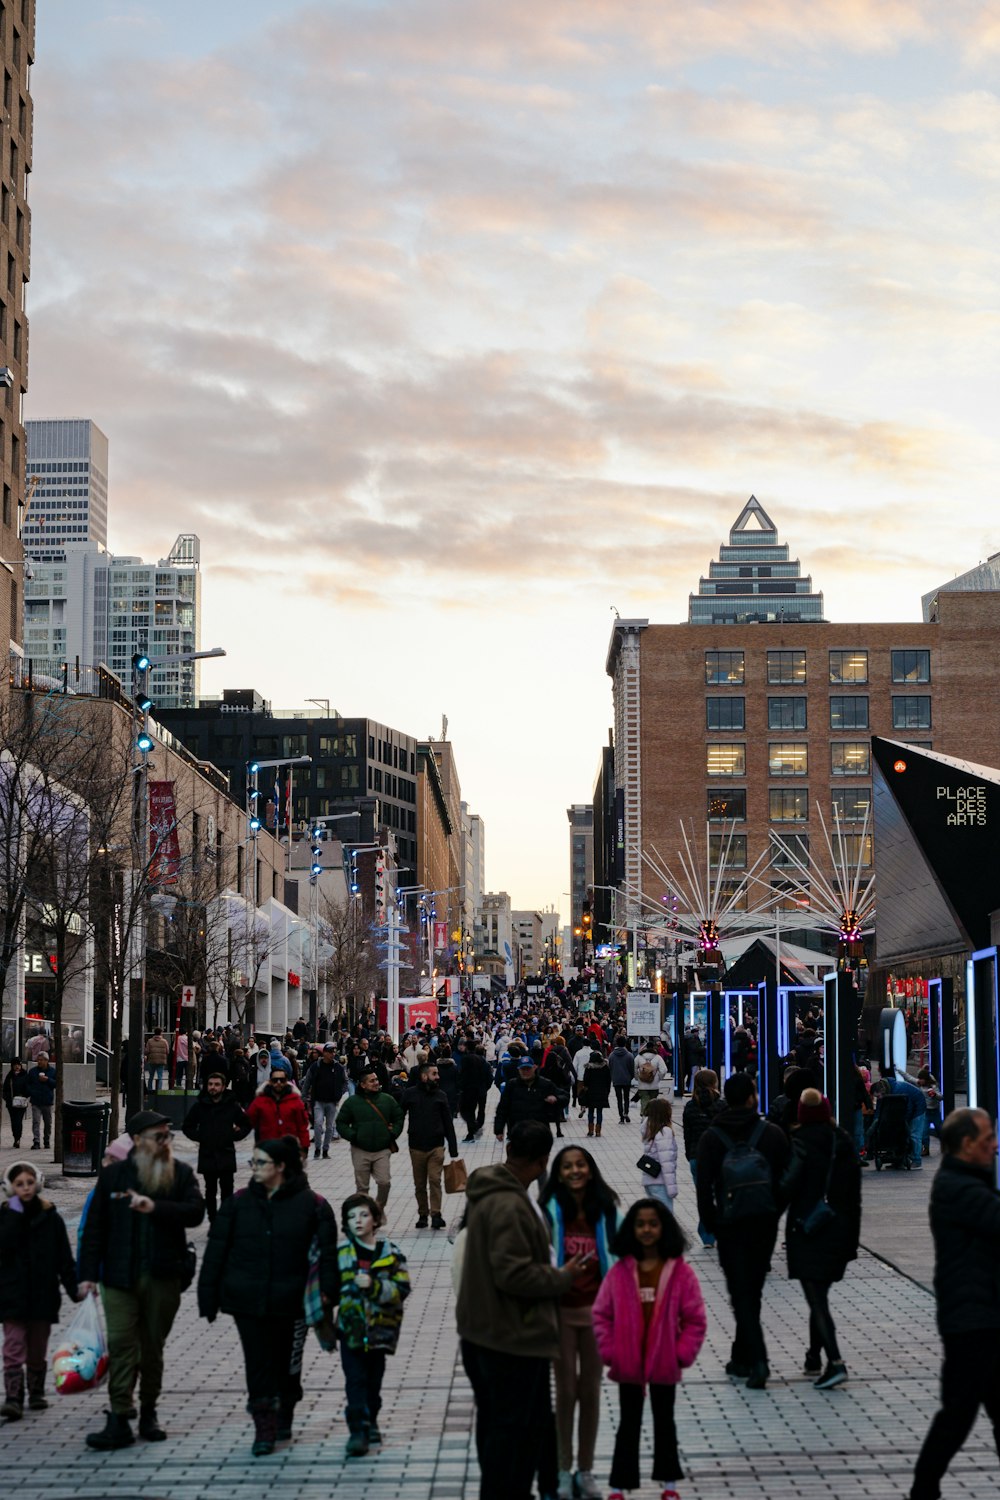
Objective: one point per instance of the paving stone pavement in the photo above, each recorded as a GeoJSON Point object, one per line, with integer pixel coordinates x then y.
{"type": "Point", "coordinates": [858, 1441]}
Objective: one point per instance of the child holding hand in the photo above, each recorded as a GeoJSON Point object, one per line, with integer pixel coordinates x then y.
{"type": "Point", "coordinates": [374, 1284]}
{"type": "Point", "coordinates": [649, 1321]}
{"type": "Point", "coordinates": [35, 1257]}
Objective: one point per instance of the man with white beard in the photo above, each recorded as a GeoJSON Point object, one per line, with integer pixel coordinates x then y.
{"type": "Point", "coordinates": [135, 1245]}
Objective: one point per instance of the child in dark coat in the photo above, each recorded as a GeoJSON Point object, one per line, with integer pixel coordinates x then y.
{"type": "Point", "coordinates": [35, 1257]}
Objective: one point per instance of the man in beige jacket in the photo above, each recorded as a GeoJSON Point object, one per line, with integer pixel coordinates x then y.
{"type": "Point", "coordinates": [508, 1313]}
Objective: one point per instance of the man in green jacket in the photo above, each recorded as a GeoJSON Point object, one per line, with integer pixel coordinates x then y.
{"type": "Point", "coordinates": [371, 1120]}
{"type": "Point", "coordinates": [508, 1312]}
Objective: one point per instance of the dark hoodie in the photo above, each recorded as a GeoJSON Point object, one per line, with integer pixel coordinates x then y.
{"type": "Point", "coordinates": [509, 1295]}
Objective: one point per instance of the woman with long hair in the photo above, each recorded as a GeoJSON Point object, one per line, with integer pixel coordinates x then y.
{"type": "Point", "coordinates": [659, 1146]}
{"type": "Point", "coordinates": [255, 1268]}
{"type": "Point", "coordinates": [583, 1216]}
{"type": "Point", "coordinates": [595, 1091]}
{"type": "Point", "coordinates": [699, 1113]}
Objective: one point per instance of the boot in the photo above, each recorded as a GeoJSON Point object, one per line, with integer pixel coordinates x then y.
{"type": "Point", "coordinates": [265, 1424]}
{"type": "Point", "coordinates": [116, 1434]}
{"type": "Point", "coordinates": [13, 1407]}
{"type": "Point", "coordinates": [149, 1427]}
{"type": "Point", "coordinates": [357, 1443]}
{"type": "Point", "coordinates": [597, 1129]}
{"type": "Point", "coordinates": [590, 1129]}
{"type": "Point", "coordinates": [286, 1416]}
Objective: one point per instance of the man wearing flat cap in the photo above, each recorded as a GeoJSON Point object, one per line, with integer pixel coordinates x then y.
{"type": "Point", "coordinates": [135, 1245]}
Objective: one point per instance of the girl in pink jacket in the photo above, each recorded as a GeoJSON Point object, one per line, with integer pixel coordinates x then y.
{"type": "Point", "coordinates": [649, 1322]}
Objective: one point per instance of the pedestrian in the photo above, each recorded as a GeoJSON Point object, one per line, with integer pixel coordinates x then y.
{"type": "Point", "coordinates": [659, 1153]}
{"type": "Point", "coordinates": [916, 1114]}
{"type": "Point", "coordinates": [255, 1269]}
{"type": "Point", "coordinates": [324, 1085]}
{"type": "Point", "coordinates": [35, 1260]}
{"type": "Point", "coordinates": [374, 1284]}
{"type": "Point", "coordinates": [278, 1110]}
{"type": "Point", "coordinates": [430, 1127]}
{"type": "Point", "coordinates": [822, 1187]}
{"type": "Point", "coordinates": [41, 1092]}
{"type": "Point", "coordinates": [181, 1055]}
{"type": "Point", "coordinates": [16, 1097]}
{"type": "Point", "coordinates": [475, 1080]}
{"type": "Point", "coordinates": [650, 1072]}
{"type": "Point", "coordinates": [134, 1243]}
{"type": "Point", "coordinates": [583, 1215]}
{"type": "Point", "coordinates": [622, 1065]}
{"type": "Point", "coordinates": [508, 1313]}
{"type": "Point", "coordinates": [965, 1223]}
{"type": "Point", "coordinates": [370, 1120]}
{"type": "Point", "coordinates": [741, 1159]}
{"type": "Point", "coordinates": [216, 1121]}
{"type": "Point", "coordinates": [699, 1112]}
{"type": "Point", "coordinates": [156, 1056]}
{"type": "Point", "coordinates": [450, 1076]}
{"type": "Point", "coordinates": [649, 1321]}
{"type": "Point", "coordinates": [595, 1090]}
{"type": "Point", "coordinates": [528, 1097]}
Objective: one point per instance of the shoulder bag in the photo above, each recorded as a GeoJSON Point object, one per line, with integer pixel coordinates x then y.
{"type": "Point", "coordinates": [821, 1214]}
{"type": "Point", "coordinates": [393, 1143]}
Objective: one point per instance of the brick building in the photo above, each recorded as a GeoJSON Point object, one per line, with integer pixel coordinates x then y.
{"type": "Point", "coordinates": [758, 712]}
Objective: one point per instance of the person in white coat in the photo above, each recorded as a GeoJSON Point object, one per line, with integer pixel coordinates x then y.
{"type": "Point", "coordinates": [650, 1072]}
{"type": "Point", "coordinates": [659, 1145]}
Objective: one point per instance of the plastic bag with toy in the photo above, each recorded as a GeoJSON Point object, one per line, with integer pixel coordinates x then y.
{"type": "Point", "coordinates": [81, 1361]}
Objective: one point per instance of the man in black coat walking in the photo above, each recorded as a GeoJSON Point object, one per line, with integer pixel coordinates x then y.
{"type": "Point", "coordinates": [474, 1081]}
{"type": "Point", "coordinates": [216, 1121]}
{"type": "Point", "coordinates": [135, 1244]}
{"type": "Point", "coordinates": [744, 1220]}
{"type": "Point", "coordinates": [429, 1127]}
{"type": "Point", "coordinates": [965, 1222]}
{"type": "Point", "coordinates": [529, 1097]}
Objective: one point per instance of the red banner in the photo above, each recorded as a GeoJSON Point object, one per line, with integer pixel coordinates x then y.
{"type": "Point", "coordinates": [164, 845]}
{"type": "Point", "coordinates": [440, 936]}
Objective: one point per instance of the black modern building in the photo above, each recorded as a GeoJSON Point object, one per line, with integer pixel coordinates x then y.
{"type": "Point", "coordinates": [354, 761]}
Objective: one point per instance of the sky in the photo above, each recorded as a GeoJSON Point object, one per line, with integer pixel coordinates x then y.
{"type": "Point", "coordinates": [450, 327]}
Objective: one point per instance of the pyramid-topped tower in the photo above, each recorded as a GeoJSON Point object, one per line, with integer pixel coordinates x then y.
{"type": "Point", "coordinates": [753, 579]}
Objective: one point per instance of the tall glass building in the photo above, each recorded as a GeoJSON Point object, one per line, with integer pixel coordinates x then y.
{"type": "Point", "coordinates": [753, 579]}
{"type": "Point", "coordinates": [67, 475]}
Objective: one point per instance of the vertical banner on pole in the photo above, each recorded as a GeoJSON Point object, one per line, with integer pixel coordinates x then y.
{"type": "Point", "coordinates": [941, 1038]}
{"type": "Point", "coordinates": [840, 1032]}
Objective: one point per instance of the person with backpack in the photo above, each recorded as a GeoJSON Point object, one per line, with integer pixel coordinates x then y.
{"type": "Point", "coordinates": [650, 1072]}
{"type": "Point", "coordinates": [595, 1091]}
{"type": "Point", "coordinates": [699, 1112]}
{"type": "Point", "coordinates": [741, 1159]}
{"type": "Point", "coordinates": [822, 1187]}
{"type": "Point", "coordinates": [649, 1323]}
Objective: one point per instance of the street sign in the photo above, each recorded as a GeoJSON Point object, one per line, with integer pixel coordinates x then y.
{"type": "Point", "coordinates": [188, 1000]}
{"type": "Point", "coordinates": [642, 1013]}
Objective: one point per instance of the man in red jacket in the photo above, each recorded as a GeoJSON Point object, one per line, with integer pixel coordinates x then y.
{"type": "Point", "coordinates": [278, 1110]}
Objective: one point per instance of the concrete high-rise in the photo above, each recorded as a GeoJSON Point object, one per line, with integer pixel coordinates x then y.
{"type": "Point", "coordinates": [67, 474]}
{"type": "Point", "coordinates": [17, 48]}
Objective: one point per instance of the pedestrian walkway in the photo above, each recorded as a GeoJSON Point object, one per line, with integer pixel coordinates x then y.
{"type": "Point", "coordinates": [859, 1441]}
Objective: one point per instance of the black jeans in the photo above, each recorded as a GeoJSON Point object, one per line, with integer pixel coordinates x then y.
{"type": "Point", "coordinates": [513, 1419]}
{"type": "Point", "coordinates": [622, 1091]}
{"type": "Point", "coordinates": [666, 1460]}
{"type": "Point", "coordinates": [745, 1257]}
{"type": "Point", "coordinates": [822, 1333]}
{"type": "Point", "coordinates": [223, 1181]}
{"type": "Point", "coordinates": [970, 1378]}
{"type": "Point", "coordinates": [472, 1108]}
{"type": "Point", "coordinates": [363, 1375]}
{"type": "Point", "coordinates": [16, 1123]}
{"type": "Point", "coordinates": [267, 1354]}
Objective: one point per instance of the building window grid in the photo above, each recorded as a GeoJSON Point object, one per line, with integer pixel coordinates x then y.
{"type": "Point", "coordinates": [722, 667]}
{"type": "Point", "coordinates": [850, 758]}
{"type": "Point", "coordinates": [726, 759]}
{"type": "Point", "coordinates": [850, 804]}
{"type": "Point", "coordinates": [788, 804]}
{"type": "Point", "coordinates": [849, 712]}
{"type": "Point", "coordinates": [848, 667]}
{"type": "Point", "coordinates": [786, 713]}
{"type": "Point", "coordinates": [911, 711]}
{"type": "Point", "coordinates": [911, 666]}
{"type": "Point", "coordinates": [786, 667]}
{"type": "Point", "coordinates": [726, 804]}
{"type": "Point", "coordinates": [725, 713]}
{"type": "Point", "coordinates": [787, 758]}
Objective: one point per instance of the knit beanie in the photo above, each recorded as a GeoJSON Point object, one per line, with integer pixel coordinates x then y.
{"type": "Point", "coordinates": [814, 1108]}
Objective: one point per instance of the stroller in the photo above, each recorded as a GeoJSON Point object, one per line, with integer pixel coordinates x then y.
{"type": "Point", "coordinates": [889, 1137]}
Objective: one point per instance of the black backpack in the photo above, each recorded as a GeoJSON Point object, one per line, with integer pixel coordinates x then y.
{"type": "Point", "coordinates": [746, 1189]}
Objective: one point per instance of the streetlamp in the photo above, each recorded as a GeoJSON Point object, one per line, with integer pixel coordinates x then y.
{"type": "Point", "coordinates": [315, 871]}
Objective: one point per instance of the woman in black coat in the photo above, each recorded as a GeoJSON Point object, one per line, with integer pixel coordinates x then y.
{"type": "Point", "coordinates": [15, 1097]}
{"type": "Point", "coordinates": [255, 1268]}
{"type": "Point", "coordinates": [35, 1258]}
{"type": "Point", "coordinates": [595, 1091]}
{"type": "Point", "coordinates": [823, 1172]}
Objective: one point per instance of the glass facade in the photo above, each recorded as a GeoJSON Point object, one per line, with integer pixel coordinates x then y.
{"type": "Point", "coordinates": [753, 578]}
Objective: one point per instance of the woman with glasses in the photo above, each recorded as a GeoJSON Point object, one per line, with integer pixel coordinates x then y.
{"type": "Point", "coordinates": [255, 1268]}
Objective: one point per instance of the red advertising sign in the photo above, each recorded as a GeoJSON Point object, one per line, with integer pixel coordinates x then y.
{"type": "Point", "coordinates": [164, 845]}
{"type": "Point", "coordinates": [421, 1013]}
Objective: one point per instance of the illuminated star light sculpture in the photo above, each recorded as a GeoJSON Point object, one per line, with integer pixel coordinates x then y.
{"type": "Point", "coordinates": [845, 905]}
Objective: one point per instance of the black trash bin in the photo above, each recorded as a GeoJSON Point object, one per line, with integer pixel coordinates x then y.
{"type": "Point", "coordinates": [84, 1137]}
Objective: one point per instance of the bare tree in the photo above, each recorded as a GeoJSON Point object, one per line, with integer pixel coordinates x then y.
{"type": "Point", "coordinates": [350, 965]}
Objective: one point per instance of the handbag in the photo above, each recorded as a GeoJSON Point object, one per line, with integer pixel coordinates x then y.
{"type": "Point", "coordinates": [455, 1176]}
{"type": "Point", "coordinates": [649, 1165]}
{"type": "Point", "coordinates": [821, 1214]}
{"type": "Point", "coordinates": [393, 1143]}
{"type": "Point", "coordinates": [188, 1266]}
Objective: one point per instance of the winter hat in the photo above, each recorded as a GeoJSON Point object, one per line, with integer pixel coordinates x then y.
{"type": "Point", "coordinates": [15, 1169]}
{"type": "Point", "coordinates": [814, 1108]}
{"type": "Point", "coordinates": [119, 1148]}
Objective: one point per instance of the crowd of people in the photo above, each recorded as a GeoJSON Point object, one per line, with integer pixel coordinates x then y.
{"type": "Point", "coordinates": [554, 1290]}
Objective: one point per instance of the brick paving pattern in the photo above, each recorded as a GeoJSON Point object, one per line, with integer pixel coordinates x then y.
{"type": "Point", "coordinates": [860, 1440]}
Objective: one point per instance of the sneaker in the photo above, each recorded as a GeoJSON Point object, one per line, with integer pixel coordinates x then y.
{"type": "Point", "coordinates": [757, 1379]}
{"type": "Point", "coordinates": [374, 1434]}
{"type": "Point", "coordinates": [437, 1222]}
{"type": "Point", "coordinates": [326, 1156]}
{"type": "Point", "coordinates": [834, 1374]}
{"type": "Point", "coordinates": [734, 1367]}
{"type": "Point", "coordinates": [316, 1154]}
{"type": "Point", "coordinates": [587, 1486]}
{"type": "Point", "coordinates": [467, 1140]}
{"type": "Point", "coordinates": [564, 1489]}
{"type": "Point", "coordinates": [422, 1222]}
{"type": "Point", "coordinates": [813, 1363]}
